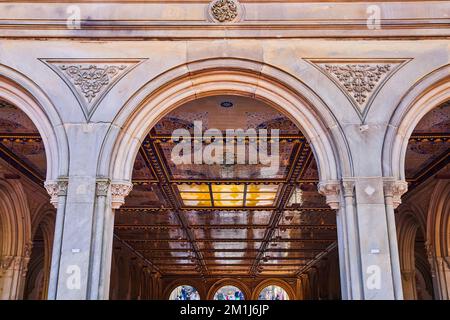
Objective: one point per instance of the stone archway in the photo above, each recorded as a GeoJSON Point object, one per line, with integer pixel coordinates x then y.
{"type": "Point", "coordinates": [438, 239]}
{"type": "Point", "coordinates": [277, 282]}
{"type": "Point", "coordinates": [229, 76]}
{"type": "Point", "coordinates": [38, 276]}
{"type": "Point", "coordinates": [429, 92]}
{"type": "Point", "coordinates": [24, 94]}
{"type": "Point", "coordinates": [224, 76]}
{"type": "Point", "coordinates": [229, 282]}
{"type": "Point", "coordinates": [15, 236]}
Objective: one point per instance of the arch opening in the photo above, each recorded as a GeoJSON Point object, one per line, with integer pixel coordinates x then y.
{"type": "Point", "coordinates": [184, 292]}
{"type": "Point", "coordinates": [26, 215]}
{"type": "Point", "coordinates": [422, 221]}
{"type": "Point", "coordinates": [193, 222]}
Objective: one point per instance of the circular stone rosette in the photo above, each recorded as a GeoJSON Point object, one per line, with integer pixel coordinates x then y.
{"type": "Point", "coordinates": [225, 11]}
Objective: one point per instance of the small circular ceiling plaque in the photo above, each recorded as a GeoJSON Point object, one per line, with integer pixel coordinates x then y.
{"type": "Point", "coordinates": [226, 104]}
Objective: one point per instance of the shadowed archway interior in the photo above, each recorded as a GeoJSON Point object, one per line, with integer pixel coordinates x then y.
{"type": "Point", "coordinates": [203, 222]}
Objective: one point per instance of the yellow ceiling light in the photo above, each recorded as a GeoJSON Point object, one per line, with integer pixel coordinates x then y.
{"type": "Point", "coordinates": [227, 195]}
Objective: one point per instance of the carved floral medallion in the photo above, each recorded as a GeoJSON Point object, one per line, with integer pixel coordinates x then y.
{"type": "Point", "coordinates": [224, 10]}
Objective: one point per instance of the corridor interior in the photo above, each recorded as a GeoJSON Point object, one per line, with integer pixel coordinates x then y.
{"type": "Point", "coordinates": [229, 231]}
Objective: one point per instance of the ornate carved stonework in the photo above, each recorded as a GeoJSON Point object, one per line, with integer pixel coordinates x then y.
{"type": "Point", "coordinates": [14, 263]}
{"type": "Point", "coordinates": [330, 189]}
{"type": "Point", "coordinates": [395, 189]}
{"type": "Point", "coordinates": [224, 10]}
{"type": "Point", "coordinates": [118, 193]}
{"type": "Point", "coordinates": [359, 80]}
{"type": "Point", "coordinates": [348, 188]}
{"type": "Point", "coordinates": [6, 263]}
{"type": "Point", "coordinates": [90, 80]}
{"type": "Point", "coordinates": [101, 188]}
{"type": "Point", "coordinates": [55, 189]}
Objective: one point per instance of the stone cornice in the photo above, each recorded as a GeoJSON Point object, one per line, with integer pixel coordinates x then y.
{"type": "Point", "coordinates": [189, 19]}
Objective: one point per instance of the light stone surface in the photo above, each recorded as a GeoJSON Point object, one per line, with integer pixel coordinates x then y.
{"type": "Point", "coordinates": [169, 52]}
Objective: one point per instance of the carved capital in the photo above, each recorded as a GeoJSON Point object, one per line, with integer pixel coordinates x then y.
{"type": "Point", "coordinates": [101, 188]}
{"type": "Point", "coordinates": [56, 189]}
{"type": "Point", "coordinates": [330, 189]}
{"type": "Point", "coordinates": [348, 186]}
{"type": "Point", "coordinates": [119, 190]}
{"type": "Point", "coordinates": [5, 263]}
{"type": "Point", "coordinates": [395, 189]}
{"type": "Point", "coordinates": [17, 263]}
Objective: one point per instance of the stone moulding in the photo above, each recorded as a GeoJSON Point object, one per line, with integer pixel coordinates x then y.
{"type": "Point", "coordinates": [91, 79]}
{"type": "Point", "coordinates": [359, 79]}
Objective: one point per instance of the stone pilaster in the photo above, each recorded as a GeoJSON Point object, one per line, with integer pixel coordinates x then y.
{"type": "Point", "coordinates": [58, 194]}
{"type": "Point", "coordinates": [393, 190]}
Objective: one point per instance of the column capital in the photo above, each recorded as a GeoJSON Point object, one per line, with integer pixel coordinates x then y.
{"type": "Point", "coordinates": [119, 190]}
{"type": "Point", "coordinates": [330, 189]}
{"type": "Point", "coordinates": [56, 188]}
{"type": "Point", "coordinates": [101, 187]}
{"type": "Point", "coordinates": [18, 263]}
{"type": "Point", "coordinates": [348, 186]}
{"type": "Point", "coordinates": [395, 189]}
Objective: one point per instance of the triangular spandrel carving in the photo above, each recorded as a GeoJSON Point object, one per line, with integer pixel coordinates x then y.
{"type": "Point", "coordinates": [90, 80]}
{"type": "Point", "coordinates": [359, 80]}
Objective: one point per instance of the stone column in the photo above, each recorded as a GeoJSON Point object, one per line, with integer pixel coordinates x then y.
{"type": "Point", "coordinates": [367, 243]}
{"type": "Point", "coordinates": [58, 192]}
{"type": "Point", "coordinates": [84, 265]}
{"type": "Point", "coordinates": [119, 191]}
{"type": "Point", "coordinates": [440, 273]}
{"type": "Point", "coordinates": [348, 241]}
{"type": "Point", "coordinates": [443, 273]}
{"type": "Point", "coordinates": [13, 272]}
{"type": "Point", "coordinates": [393, 190]}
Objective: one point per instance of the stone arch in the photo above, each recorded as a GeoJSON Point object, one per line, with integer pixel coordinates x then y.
{"type": "Point", "coordinates": [428, 93]}
{"type": "Point", "coordinates": [180, 282]}
{"type": "Point", "coordinates": [229, 282]}
{"type": "Point", "coordinates": [224, 76]}
{"type": "Point", "coordinates": [408, 226]}
{"type": "Point", "coordinates": [15, 216]}
{"type": "Point", "coordinates": [423, 269]}
{"type": "Point", "coordinates": [276, 282]}
{"type": "Point", "coordinates": [438, 223]}
{"type": "Point", "coordinates": [43, 222]}
{"type": "Point", "coordinates": [24, 94]}
{"type": "Point", "coordinates": [15, 238]}
{"type": "Point", "coordinates": [438, 239]}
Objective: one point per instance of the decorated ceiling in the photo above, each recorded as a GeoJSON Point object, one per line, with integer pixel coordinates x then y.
{"type": "Point", "coordinates": [225, 219]}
